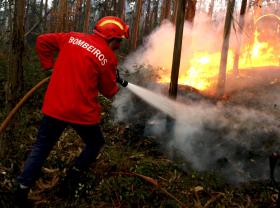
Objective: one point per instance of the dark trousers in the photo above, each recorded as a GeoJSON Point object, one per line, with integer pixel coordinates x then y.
{"type": "Point", "coordinates": [49, 132]}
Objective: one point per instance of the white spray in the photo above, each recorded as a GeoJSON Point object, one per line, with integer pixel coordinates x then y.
{"type": "Point", "coordinates": [162, 103]}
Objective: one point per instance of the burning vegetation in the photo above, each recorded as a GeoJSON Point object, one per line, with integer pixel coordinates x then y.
{"type": "Point", "coordinates": [200, 59]}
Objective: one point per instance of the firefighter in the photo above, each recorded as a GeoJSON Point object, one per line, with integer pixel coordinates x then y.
{"type": "Point", "coordinates": [85, 66]}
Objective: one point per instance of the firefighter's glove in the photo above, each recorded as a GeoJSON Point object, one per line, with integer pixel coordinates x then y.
{"type": "Point", "coordinates": [121, 81]}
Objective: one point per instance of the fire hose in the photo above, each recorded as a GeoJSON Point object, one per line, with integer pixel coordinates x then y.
{"type": "Point", "coordinates": [11, 114]}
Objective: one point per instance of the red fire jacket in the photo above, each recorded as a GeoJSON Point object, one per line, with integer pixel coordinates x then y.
{"type": "Point", "coordinates": [85, 65]}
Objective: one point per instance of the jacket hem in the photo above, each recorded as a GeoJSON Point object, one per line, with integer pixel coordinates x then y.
{"type": "Point", "coordinates": [70, 120]}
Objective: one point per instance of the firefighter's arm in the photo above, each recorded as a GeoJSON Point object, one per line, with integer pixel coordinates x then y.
{"type": "Point", "coordinates": [107, 81]}
{"type": "Point", "coordinates": [46, 47]}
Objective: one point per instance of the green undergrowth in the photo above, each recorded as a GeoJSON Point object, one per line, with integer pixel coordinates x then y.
{"type": "Point", "coordinates": [131, 171]}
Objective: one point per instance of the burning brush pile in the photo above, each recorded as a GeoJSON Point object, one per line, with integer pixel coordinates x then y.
{"type": "Point", "coordinates": [234, 135]}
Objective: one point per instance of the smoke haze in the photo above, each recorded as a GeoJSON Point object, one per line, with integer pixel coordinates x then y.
{"type": "Point", "coordinates": [157, 49]}
{"type": "Point", "coordinates": [232, 137]}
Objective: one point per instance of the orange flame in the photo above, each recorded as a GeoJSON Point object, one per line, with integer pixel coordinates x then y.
{"type": "Point", "coordinates": [203, 67]}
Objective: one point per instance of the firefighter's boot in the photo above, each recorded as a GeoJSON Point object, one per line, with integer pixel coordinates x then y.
{"type": "Point", "coordinates": [21, 197]}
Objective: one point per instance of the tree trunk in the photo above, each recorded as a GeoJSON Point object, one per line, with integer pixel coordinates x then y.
{"type": "Point", "coordinates": [136, 25]}
{"type": "Point", "coordinates": [211, 8]}
{"type": "Point", "coordinates": [41, 14]}
{"type": "Point", "coordinates": [190, 10]}
{"type": "Point", "coordinates": [114, 6]}
{"type": "Point", "coordinates": [111, 6]}
{"type": "Point", "coordinates": [53, 19]}
{"type": "Point", "coordinates": [78, 15]}
{"type": "Point", "coordinates": [87, 15]}
{"type": "Point", "coordinates": [45, 17]}
{"type": "Point", "coordinates": [177, 49]}
{"type": "Point", "coordinates": [165, 10]}
{"type": "Point", "coordinates": [10, 18]}
{"type": "Point", "coordinates": [147, 22]}
{"type": "Point", "coordinates": [26, 13]}
{"type": "Point", "coordinates": [175, 11]}
{"type": "Point", "coordinates": [224, 53]}
{"type": "Point", "coordinates": [32, 16]}
{"type": "Point", "coordinates": [155, 13]}
{"type": "Point", "coordinates": [14, 85]}
{"type": "Point", "coordinates": [61, 24]}
{"type": "Point", "coordinates": [7, 27]}
{"type": "Point", "coordinates": [121, 9]}
{"type": "Point", "coordinates": [241, 25]}
{"type": "Point", "coordinates": [162, 13]}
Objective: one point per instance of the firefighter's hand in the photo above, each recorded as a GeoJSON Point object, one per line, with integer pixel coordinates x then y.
{"type": "Point", "coordinates": [121, 81]}
{"type": "Point", "coordinates": [118, 76]}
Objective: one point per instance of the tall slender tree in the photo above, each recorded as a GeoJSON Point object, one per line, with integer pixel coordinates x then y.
{"type": "Point", "coordinates": [27, 13]}
{"type": "Point", "coordinates": [177, 49]}
{"type": "Point", "coordinates": [224, 54]}
{"type": "Point", "coordinates": [240, 34]}
{"type": "Point", "coordinates": [114, 7]}
{"type": "Point", "coordinates": [87, 16]}
{"type": "Point", "coordinates": [45, 16]}
{"type": "Point", "coordinates": [175, 8]}
{"type": "Point", "coordinates": [62, 16]}
{"type": "Point", "coordinates": [136, 25]}
{"type": "Point", "coordinates": [14, 85]}
{"type": "Point", "coordinates": [190, 10]}
{"type": "Point", "coordinates": [165, 10]}
{"type": "Point", "coordinates": [41, 14]}
{"type": "Point", "coordinates": [78, 15]}
{"type": "Point", "coordinates": [6, 28]}
{"type": "Point", "coordinates": [154, 19]}
{"type": "Point", "coordinates": [33, 15]}
{"type": "Point", "coordinates": [121, 9]}
{"type": "Point", "coordinates": [147, 22]}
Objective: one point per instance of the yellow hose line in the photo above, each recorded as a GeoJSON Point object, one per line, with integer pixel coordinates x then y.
{"type": "Point", "coordinates": [7, 120]}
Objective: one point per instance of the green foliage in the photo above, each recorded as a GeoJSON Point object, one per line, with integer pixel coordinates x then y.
{"type": "Point", "coordinates": [115, 180]}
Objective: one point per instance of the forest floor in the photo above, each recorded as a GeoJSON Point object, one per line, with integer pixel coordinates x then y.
{"type": "Point", "coordinates": [133, 170]}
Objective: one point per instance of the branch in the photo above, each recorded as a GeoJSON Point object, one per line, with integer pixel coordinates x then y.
{"type": "Point", "coordinates": [155, 183]}
{"type": "Point", "coordinates": [37, 23]}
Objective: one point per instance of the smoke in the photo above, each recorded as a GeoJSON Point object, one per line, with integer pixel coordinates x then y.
{"type": "Point", "coordinates": [157, 48]}
{"type": "Point", "coordinates": [234, 138]}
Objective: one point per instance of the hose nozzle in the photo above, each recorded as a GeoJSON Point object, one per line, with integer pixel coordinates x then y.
{"type": "Point", "coordinates": [121, 81]}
